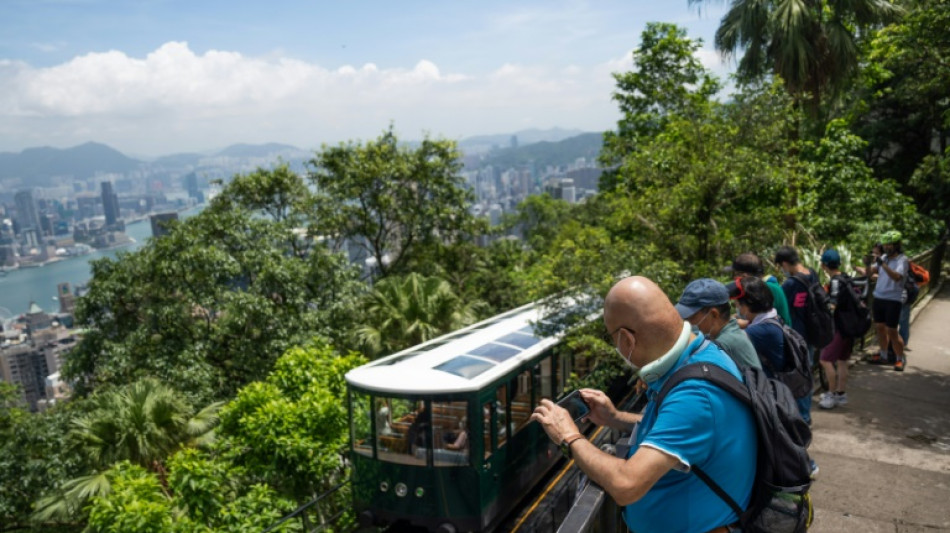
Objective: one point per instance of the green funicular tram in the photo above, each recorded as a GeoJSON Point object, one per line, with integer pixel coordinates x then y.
{"type": "Point", "coordinates": [440, 433]}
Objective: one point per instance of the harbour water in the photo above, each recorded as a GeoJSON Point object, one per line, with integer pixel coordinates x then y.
{"type": "Point", "coordinates": [38, 284]}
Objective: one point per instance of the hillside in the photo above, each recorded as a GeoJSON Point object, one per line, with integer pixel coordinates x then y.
{"type": "Point", "coordinates": [543, 154]}
{"type": "Point", "coordinates": [83, 161]}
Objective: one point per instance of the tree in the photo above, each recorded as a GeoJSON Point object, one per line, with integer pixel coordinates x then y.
{"type": "Point", "coordinates": [811, 45]}
{"type": "Point", "coordinates": [290, 430]}
{"type": "Point", "coordinates": [697, 178]}
{"type": "Point", "coordinates": [211, 305]}
{"type": "Point", "coordinates": [138, 503]}
{"type": "Point", "coordinates": [844, 203]}
{"type": "Point", "coordinates": [404, 311]}
{"type": "Point", "coordinates": [34, 456]}
{"type": "Point", "coordinates": [279, 193]}
{"type": "Point", "coordinates": [390, 200]}
{"type": "Point", "coordinates": [142, 423]}
{"type": "Point", "coordinates": [903, 108]}
{"type": "Point", "coordinates": [538, 218]}
{"type": "Point", "coordinates": [667, 80]}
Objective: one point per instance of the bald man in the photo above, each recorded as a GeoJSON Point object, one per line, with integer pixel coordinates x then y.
{"type": "Point", "coordinates": [698, 424]}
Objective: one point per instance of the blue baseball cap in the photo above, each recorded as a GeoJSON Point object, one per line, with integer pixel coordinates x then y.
{"type": "Point", "coordinates": [831, 258]}
{"type": "Point", "coordinates": [700, 293]}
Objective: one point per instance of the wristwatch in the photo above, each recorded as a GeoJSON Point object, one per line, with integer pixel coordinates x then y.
{"type": "Point", "coordinates": [565, 444]}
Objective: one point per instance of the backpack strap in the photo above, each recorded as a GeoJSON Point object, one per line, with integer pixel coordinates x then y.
{"type": "Point", "coordinates": [724, 380]}
{"type": "Point", "coordinates": [765, 360]}
{"type": "Point", "coordinates": [723, 495]}
{"type": "Point", "coordinates": [799, 277]}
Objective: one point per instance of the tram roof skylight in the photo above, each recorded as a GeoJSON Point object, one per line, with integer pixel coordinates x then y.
{"type": "Point", "coordinates": [462, 360]}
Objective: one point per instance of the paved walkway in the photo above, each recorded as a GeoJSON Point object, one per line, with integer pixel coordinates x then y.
{"type": "Point", "coordinates": [885, 457]}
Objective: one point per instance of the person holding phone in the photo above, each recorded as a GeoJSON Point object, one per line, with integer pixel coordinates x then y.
{"type": "Point", "coordinates": [651, 482]}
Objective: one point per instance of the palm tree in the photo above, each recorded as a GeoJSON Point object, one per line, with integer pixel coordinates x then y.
{"type": "Point", "coordinates": [810, 44]}
{"type": "Point", "coordinates": [404, 311]}
{"type": "Point", "coordinates": [142, 423]}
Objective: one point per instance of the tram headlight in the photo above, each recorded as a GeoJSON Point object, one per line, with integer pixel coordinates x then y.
{"type": "Point", "coordinates": [401, 490]}
{"type": "Point", "coordinates": [420, 492]}
{"type": "Point", "coordinates": [383, 486]}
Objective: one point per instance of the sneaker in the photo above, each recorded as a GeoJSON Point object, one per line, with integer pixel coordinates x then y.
{"type": "Point", "coordinates": [841, 398]}
{"type": "Point", "coordinates": [876, 359]}
{"type": "Point", "coordinates": [814, 470]}
{"type": "Point", "coordinates": [827, 400]}
{"type": "Point", "coordinates": [899, 364]}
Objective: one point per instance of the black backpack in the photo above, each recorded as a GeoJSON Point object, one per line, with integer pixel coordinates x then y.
{"type": "Point", "coordinates": [819, 321]}
{"type": "Point", "coordinates": [852, 316]}
{"type": "Point", "coordinates": [797, 372]}
{"type": "Point", "coordinates": [780, 500]}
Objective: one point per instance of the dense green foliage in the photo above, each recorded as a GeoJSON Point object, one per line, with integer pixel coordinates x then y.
{"type": "Point", "coordinates": [249, 304]}
{"type": "Point", "coordinates": [212, 305]}
{"type": "Point", "coordinates": [404, 311]}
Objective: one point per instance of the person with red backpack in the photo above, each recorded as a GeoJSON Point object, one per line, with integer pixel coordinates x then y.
{"type": "Point", "coordinates": [892, 269]}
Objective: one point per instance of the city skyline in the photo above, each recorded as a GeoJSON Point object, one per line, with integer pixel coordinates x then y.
{"type": "Point", "coordinates": [153, 78]}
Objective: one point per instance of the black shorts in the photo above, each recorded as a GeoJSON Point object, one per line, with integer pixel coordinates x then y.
{"type": "Point", "coordinates": [887, 311]}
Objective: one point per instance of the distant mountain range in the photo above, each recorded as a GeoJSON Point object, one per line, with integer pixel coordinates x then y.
{"type": "Point", "coordinates": [39, 166]}
{"type": "Point", "coordinates": [482, 143]}
{"type": "Point", "coordinates": [546, 153]}
{"type": "Point", "coordinates": [83, 161]}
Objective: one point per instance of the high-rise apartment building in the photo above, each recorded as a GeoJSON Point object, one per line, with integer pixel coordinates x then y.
{"type": "Point", "coordinates": [26, 367]}
{"type": "Point", "coordinates": [27, 214]}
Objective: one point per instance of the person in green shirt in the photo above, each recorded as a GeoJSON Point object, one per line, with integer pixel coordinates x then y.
{"type": "Point", "coordinates": [749, 264]}
{"type": "Point", "coordinates": [705, 305]}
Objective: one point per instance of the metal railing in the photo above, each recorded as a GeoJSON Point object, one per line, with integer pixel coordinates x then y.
{"type": "Point", "coordinates": [302, 513]}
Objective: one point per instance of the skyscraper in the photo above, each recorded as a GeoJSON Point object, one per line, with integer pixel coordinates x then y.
{"type": "Point", "coordinates": [110, 203]}
{"type": "Point", "coordinates": [27, 215]}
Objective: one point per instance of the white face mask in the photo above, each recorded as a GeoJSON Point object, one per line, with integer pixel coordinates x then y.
{"type": "Point", "coordinates": [695, 327]}
{"type": "Point", "coordinates": [626, 358]}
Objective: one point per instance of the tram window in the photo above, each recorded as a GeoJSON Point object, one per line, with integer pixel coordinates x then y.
{"type": "Point", "coordinates": [521, 401]}
{"type": "Point", "coordinates": [542, 381]}
{"type": "Point", "coordinates": [567, 366]}
{"type": "Point", "coordinates": [361, 432]}
{"type": "Point", "coordinates": [451, 433]}
{"type": "Point", "coordinates": [408, 430]}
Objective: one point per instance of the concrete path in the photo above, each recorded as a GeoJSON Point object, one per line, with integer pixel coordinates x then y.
{"type": "Point", "coordinates": [885, 457]}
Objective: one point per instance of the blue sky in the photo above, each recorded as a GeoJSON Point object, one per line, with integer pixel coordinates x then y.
{"type": "Point", "coordinates": [165, 76]}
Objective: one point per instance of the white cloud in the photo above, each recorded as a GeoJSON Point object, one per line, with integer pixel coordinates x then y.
{"type": "Point", "coordinates": [174, 99]}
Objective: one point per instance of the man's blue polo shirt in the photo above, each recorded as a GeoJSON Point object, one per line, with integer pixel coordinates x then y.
{"type": "Point", "coordinates": [700, 424]}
